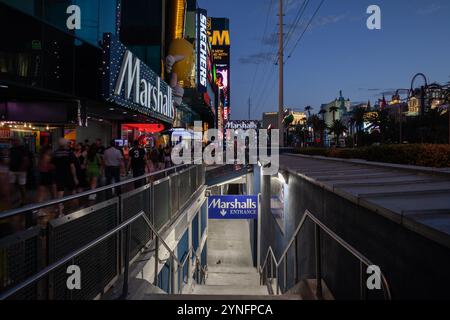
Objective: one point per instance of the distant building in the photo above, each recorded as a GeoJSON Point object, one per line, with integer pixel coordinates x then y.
{"type": "Point", "coordinates": [271, 118]}
{"type": "Point", "coordinates": [343, 105]}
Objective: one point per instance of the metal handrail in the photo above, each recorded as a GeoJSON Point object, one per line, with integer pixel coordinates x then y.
{"type": "Point", "coordinates": [174, 261]}
{"type": "Point", "coordinates": [319, 225]}
{"type": "Point", "coordinates": [38, 276]}
{"type": "Point", "coordinates": [33, 207]}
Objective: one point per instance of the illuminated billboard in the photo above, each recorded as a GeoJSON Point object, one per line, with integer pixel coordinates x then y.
{"type": "Point", "coordinates": [202, 51]}
{"type": "Point", "coordinates": [219, 38]}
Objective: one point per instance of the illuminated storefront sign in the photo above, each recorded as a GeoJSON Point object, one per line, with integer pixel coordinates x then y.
{"type": "Point", "coordinates": [243, 124]}
{"type": "Point", "coordinates": [132, 84]}
{"type": "Point", "coordinates": [202, 51]}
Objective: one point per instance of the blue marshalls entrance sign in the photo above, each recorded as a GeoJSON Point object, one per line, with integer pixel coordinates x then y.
{"type": "Point", "coordinates": [233, 207]}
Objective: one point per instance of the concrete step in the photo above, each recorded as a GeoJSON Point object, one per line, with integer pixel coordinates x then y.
{"type": "Point", "coordinates": [227, 279]}
{"type": "Point", "coordinates": [307, 290]}
{"type": "Point", "coordinates": [234, 290]}
{"type": "Point", "coordinates": [231, 269]}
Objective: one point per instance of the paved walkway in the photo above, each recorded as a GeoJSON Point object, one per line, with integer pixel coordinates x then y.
{"type": "Point", "coordinates": [416, 197]}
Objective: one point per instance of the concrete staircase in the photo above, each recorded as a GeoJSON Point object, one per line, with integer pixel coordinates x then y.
{"type": "Point", "coordinates": [223, 280]}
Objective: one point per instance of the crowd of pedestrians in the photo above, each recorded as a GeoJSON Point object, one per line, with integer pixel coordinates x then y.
{"type": "Point", "coordinates": [73, 168]}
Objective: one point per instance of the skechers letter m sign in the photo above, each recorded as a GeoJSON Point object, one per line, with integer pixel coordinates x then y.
{"type": "Point", "coordinates": [202, 50]}
{"type": "Point", "coordinates": [130, 83]}
{"type": "Point", "coordinates": [233, 207]}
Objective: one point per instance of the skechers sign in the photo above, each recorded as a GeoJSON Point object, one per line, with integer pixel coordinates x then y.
{"type": "Point", "coordinates": [202, 50]}
{"type": "Point", "coordinates": [130, 83]}
{"type": "Point", "coordinates": [233, 207]}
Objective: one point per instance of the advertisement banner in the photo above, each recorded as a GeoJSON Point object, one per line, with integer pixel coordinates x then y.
{"type": "Point", "coordinates": [202, 51]}
{"type": "Point", "coordinates": [233, 207]}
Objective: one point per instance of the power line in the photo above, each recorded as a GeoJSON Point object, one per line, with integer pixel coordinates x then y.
{"type": "Point", "coordinates": [304, 31]}
{"type": "Point", "coordinates": [261, 46]}
{"type": "Point", "coordinates": [297, 20]}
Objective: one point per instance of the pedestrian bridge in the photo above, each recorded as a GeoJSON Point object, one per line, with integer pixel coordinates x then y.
{"type": "Point", "coordinates": [151, 238]}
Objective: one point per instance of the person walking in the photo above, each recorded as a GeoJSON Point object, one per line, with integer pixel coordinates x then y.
{"type": "Point", "coordinates": [19, 163]}
{"type": "Point", "coordinates": [80, 165]}
{"type": "Point", "coordinates": [46, 176]}
{"type": "Point", "coordinates": [167, 156]}
{"type": "Point", "coordinates": [138, 162]}
{"type": "Point", "coordinates": [161, 157]}
{"type": "Point", "coordinates": [113, 163]}
{"type": "Point", "coordinates": [65, 171]}
{"type": "Point", "coordinates": [126, 157]}
{"type": "Point", "coordinates": [93, 169]}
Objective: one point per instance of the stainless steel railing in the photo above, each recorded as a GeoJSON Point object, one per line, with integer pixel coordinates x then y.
{"type": "Point", "coordinates": [123, 212]}
{"type": "Point", "coordinates": [176, 267]}
{"type": "Point", "coordinates": [37, 206]}
{"type": "Point", "coordinates": [270, 269]}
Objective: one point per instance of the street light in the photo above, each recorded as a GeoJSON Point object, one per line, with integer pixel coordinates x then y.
{"type": "Point", "coordinates": [400, 111]}
{"type": "Point", "coordinates": [422, 91]}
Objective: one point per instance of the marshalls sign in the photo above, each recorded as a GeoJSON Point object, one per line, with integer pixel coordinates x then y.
{"type": "Point", "coordinates": [233, 207]}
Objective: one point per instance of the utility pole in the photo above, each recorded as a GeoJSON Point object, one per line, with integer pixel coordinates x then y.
{"type": "Point", "coordinates": [281, 75]}
{"type": "Point", "coordinates": [249, 107]}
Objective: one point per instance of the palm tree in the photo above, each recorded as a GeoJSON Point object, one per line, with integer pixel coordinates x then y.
{"type": "Point", "coordinates": [380, 120]}
{"type": "Point", "coordinates": [333, 110]}
{"type": "Point", "coordinates": [337, 128]}
{"type": "Point", "coordinates": [308, 109]}
{"type": "Point", "coordinates": [301, 132]}
{"type": "Point", "coordinates": [358, 119]}
{"type": "Point", "coordinates": [322, 113]}
{"type": "Point", "coordinates": [313, 121]}
{"type": "Point", "coordinates": [321, 126]}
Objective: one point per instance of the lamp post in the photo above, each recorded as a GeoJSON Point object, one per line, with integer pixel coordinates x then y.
{"type": "Point", "coordinates": [400, 111]}
{"type": "Point", "coordinates": [422, 91]}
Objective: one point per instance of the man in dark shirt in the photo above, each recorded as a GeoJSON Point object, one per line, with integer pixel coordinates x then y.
{"type": "Point", "coordinates": [19, 162]}
{"type": "Point", "coordinates": [65, 170]}
{"type": "Point", "coordinates": [138, 162]}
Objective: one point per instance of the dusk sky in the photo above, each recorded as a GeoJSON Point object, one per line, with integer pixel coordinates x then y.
{"type": "Point", "coordinates": [337, 52]}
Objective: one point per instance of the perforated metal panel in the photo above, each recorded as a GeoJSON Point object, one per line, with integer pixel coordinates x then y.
{"type": "Point", "coordinates": [132, 204]}
{"type": "Point", "coordinates": [174, 194]}
{"type": "Point", "coordinates": [20, 258]}
{"type": "Point", "coordinates": [200, 175]}
{"type": "Point", "coordinates": [161, 200]}
{"type": "Point", "coordinates": [99, 265]}
{"type": "Point", "coordinates": [193, 174]}
{"type": "Point", "coordinates": [185, 189]}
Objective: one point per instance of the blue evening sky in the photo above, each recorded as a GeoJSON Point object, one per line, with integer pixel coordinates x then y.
{"type": "Point", "coordinates": [337, 52]}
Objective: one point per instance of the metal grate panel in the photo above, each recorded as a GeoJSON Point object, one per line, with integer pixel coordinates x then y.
{"type": "Point", "coordinates": [185, 187]}
{"type": "Point", "coordinates": [20, 258]}
{"type": "Point", "coordinates": [99, 266]}
{"type": "Point", "coordinates": [193, 174]}
{"type": "Point", "coordinates": [132, 204]}
{"type": "Point", "coordinates": [161, 201]}
{"type": "Point", "coordinates": [174, 194]}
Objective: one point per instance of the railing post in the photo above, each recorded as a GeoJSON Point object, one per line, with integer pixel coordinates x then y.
{"type": "Point", "coordinates": [318, 263]}
{"type": "Point", "coordinates": [296, 260]}
{"type": "Point", "coordinates": [285, 272]}
{"type": "Point", "coordinates": [276, 277]}
{"type": "Point", "coordinates": [271, 267]}
{"type": "Point", "coordinates": [362, 283]}
{"type": "Point", "coordinates": [172, 275]}
{"type": "Point", "coordinates": [156, 259]}
{"type": "Point", "coordinates": [179, 278]}
{"type": "Point", "coordinates": [127, 262]}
